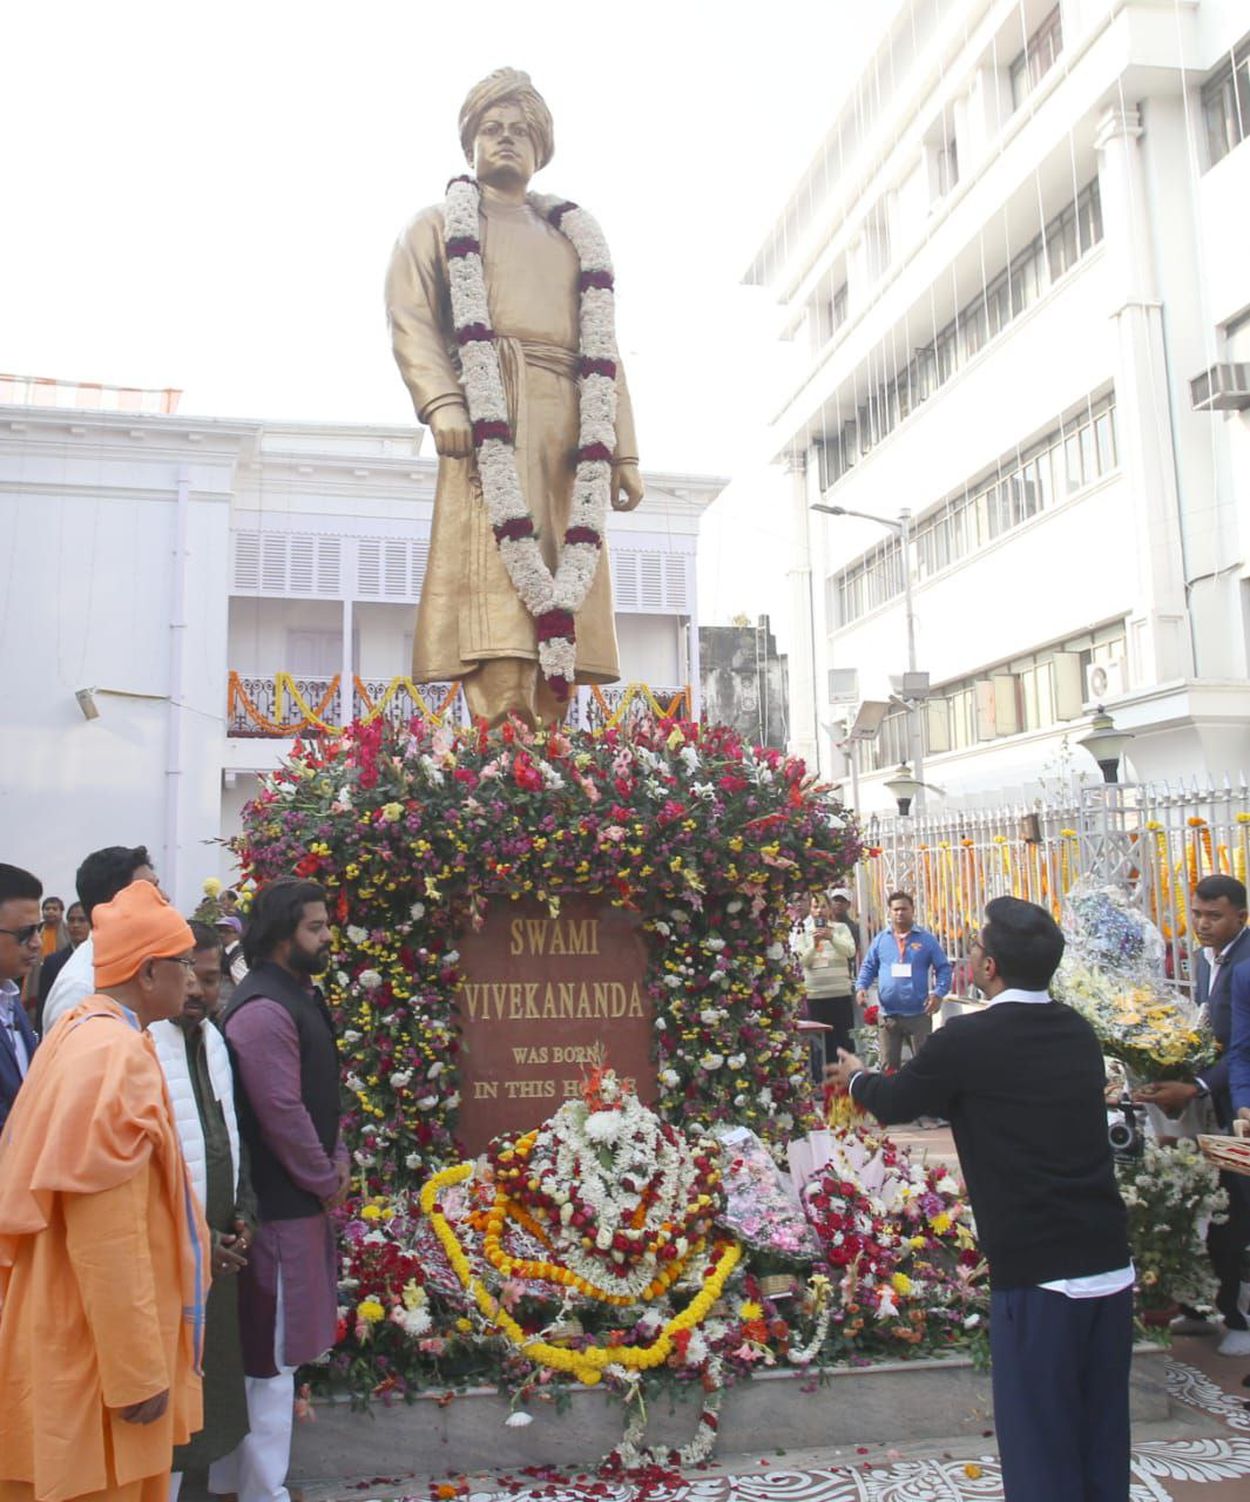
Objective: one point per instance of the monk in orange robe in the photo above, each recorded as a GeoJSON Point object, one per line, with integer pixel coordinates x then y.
{"type": "Point", "coordinates": [103, 1248]}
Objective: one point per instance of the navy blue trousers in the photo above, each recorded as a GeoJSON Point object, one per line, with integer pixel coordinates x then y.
{"type": "Point", "coordinates": [1061, 1378]}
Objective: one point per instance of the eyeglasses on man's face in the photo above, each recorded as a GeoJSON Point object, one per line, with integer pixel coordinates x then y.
{"type": "Point", "coordinates": [185, 960]}
{"type": "Point", "coordinates": [27, 934]}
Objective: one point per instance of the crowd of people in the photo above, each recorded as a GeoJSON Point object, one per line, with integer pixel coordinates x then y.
{"type": "Point", "coordinates": [168, 1162]}
{"type": "Point", "coordinates": [171, 1150]}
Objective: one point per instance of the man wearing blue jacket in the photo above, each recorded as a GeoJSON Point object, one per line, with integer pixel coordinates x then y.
{"type": "Point", "coordinates": [1218, 914]}
{"type": "Point", "coordinates": [912, 975]}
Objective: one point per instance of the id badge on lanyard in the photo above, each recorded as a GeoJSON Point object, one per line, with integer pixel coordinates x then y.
{"type": "Point", "coordinates": [901, 968]}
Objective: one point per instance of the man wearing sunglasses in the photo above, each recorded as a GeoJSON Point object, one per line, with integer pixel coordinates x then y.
{"type": "Point", "coordinates": [21, 929]}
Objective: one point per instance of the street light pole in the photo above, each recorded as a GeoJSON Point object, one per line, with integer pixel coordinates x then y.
{"type": "Point", "coordinates": [914, 728]}
{"type": "Point", "coordinates": [915, 736]}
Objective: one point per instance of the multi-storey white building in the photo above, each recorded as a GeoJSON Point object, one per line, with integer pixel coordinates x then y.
{"type": "Point", "coordinates": [220, 586]}
{"type": "Point", "coordinates": [1017, 275]}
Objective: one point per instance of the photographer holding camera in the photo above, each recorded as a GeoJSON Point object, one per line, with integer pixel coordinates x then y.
{"type": "Point", "coordinates": [1022, 1085]}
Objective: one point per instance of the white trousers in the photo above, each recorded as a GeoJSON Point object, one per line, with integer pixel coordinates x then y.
{"type": "Point", "coordinates": [256, 1469]}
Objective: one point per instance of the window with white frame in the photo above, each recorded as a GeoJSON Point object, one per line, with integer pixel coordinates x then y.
{"type": "Point", "coordinates": [1041, 690]}
{"type": "Point", "coordinates": [1226, 103]}
{"type": "Point", "coordinates": [1067, 460]}
{"type": "Point", "coordinates": [1037, 58]}
{"type": "Point", "coordinates": [1069, 236]}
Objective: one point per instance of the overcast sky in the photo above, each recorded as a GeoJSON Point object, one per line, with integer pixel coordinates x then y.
{"type": "Point", "coordinates": [204, 195]}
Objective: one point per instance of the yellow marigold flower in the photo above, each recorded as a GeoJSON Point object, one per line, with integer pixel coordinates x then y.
{"type": "Point", "coordinates": [211, 886]}
{"type": "Point", "coordinates": [750, 1310]}
{"type": "Point", "coordinates": [370, 1311]}
{"type": "Point", "coordinates": [941, 1223]}
{"type": "Point", "coordinates": [972, 1471]}
{"type": "Point", "coordinates": [901, 1283]}
{"type": "Point", "coordinates": [392, 812]}
{"type": "Point", "coordinates": [464, 1326]}
{"type": "Point", "coordinates": [370, 1212]}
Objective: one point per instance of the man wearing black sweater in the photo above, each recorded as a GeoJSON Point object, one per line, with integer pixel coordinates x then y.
{"type": "Point", "coordinates": [1022, 1086]}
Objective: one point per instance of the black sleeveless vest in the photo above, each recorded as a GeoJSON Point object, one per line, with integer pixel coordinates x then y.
{"type": "Point", "coordinates": [278, 1196]}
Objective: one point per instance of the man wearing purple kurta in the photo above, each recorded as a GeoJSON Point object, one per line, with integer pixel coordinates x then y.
{"type": "Point", "coordinates": [282, 1043]}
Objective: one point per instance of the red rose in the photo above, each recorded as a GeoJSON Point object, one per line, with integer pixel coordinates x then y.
{"type": "Point", "coordinates": [525, 774]}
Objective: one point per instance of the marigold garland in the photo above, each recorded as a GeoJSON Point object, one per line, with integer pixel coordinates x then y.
{"type": "Point", "coordinates": [586, 1365]}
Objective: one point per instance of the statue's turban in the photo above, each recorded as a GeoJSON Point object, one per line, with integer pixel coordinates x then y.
{"type": "Point", "coordinates": [508, 86]}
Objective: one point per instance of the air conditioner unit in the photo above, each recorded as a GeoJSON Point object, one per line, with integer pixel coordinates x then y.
{"type": "Point", "coordinates": [1222, 388]}
{"type": "Point", "coordinates": [1104, 680]}
{"type": "Point", "coordinates": [843, 685]}
{"type": "Point", "coordinates": [910, 685]}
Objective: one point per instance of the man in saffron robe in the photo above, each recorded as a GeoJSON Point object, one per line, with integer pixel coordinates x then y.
{"type": "Point", "coordinates": [103, 1250]}
{"type": "Point", "coordinates": [471, 624]}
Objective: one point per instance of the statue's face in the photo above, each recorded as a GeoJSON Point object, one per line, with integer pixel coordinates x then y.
{"type": "Point", "coordinates": [504, 149]}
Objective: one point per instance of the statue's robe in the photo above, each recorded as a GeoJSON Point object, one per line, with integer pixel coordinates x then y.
{"type": "Point", "coordinates": [470, 611]}
{"type": "Point", "coordinates": [103, 1269]}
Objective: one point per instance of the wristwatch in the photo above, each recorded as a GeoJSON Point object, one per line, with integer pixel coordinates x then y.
{"type": "Point", "coordinates": [1201, 1089]}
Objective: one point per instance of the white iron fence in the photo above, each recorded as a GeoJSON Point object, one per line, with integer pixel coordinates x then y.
{"type": "Point", "coordinates": [1155, 842]}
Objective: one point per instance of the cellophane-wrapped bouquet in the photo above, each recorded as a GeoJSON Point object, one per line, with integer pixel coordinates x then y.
{"type": "Point", "coordinates": [761, 1209]}
{"type": "Point", "coordinates": [1112, 973]}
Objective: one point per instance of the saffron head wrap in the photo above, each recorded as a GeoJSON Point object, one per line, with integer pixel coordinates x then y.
{"type": "Point", "coordinates": [139, 924]}
{"type": "Point", "coordinates": [508, 86]}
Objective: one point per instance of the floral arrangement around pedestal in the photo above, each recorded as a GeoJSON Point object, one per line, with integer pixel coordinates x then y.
{"type": "Point", "coordinates": [898, 1242]}
{"type": "Point", "coordinates": [621, 1206]}
{"type": "Point", "coordinates": [1112, 973]}
{"type": "Point", "coordinates": [413, 830]}
{"type": "Point", "coordinates": [493, 1278]}
{"type": "Point", "coordinates": [1172, 1194]}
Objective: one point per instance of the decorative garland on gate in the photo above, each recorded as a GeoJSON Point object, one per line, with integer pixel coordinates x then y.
{"type": "Point", "coordinates": [553, 601]}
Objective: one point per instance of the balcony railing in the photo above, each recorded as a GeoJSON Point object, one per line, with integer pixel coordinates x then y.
{"type": "Point", "coordinates": [282, 706]}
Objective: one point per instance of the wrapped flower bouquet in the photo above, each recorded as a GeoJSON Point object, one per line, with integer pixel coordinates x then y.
{"type": "Point", "coordinates": [1112, 974]}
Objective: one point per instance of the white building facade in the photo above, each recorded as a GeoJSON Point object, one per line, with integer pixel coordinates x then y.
{"type": "Point", "coordinates": [219, 587]}
{"type": "Point", "coordinates": [1017, 277]}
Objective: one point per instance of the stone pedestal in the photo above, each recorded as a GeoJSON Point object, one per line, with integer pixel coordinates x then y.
{"type": "Point", "coordinates": [884, 1403]}
{"type": "Point", "coordinates": [544, 1001]}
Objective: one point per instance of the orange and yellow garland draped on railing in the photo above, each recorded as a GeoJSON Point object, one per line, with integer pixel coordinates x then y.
{"type": "Point", "coordinates": [1239, 855]}
{"type": "Point", "coordinates": [432, 713]}
{"type": "Point", "coordinates": [678, 706]}
{"type": "Point", "coordinates": [312, 716]}
{"type": "Point", "coordinates": [954, 879]}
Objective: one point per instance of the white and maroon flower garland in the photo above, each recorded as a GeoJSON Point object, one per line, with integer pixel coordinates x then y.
{"type": "Point", "coordinates": [553, 600]}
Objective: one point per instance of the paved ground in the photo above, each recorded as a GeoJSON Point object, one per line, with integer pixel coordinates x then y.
{"type": "Point", "coordinates": [1200, 1454]}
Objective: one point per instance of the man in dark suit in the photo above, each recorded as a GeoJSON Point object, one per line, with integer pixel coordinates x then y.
{"type": "Point", "coordinates": [20, 931]}
{"type": "Point", "coordinates": [1218, 917]}
{"type": "Point", "coordinates": [1022, 1085]}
